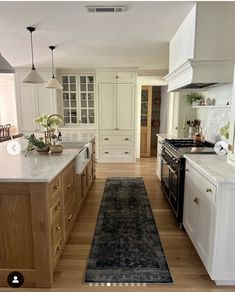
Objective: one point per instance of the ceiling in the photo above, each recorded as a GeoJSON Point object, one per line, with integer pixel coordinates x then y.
{"type": "Point", "coordinates": [137, 37]}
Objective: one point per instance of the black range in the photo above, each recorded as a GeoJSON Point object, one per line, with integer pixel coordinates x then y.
{"type": "Point", "coordinates": [173, 169]}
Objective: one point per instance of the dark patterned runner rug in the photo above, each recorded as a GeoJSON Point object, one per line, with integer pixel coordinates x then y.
{"type": "Point", "coordinates": [126, 246]}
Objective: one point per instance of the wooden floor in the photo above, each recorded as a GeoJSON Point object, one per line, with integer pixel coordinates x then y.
{"type": "Point", "coordinates": [187, 270]}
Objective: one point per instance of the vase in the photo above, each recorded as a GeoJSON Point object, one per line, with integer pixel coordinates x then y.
{"type": "Point", "coordinates": [191, 132]}
{"type": "Point", "coordinates": [43, 151]}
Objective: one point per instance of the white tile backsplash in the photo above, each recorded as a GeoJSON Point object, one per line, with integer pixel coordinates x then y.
{"type": "Point", "coordinates": [212, 119]}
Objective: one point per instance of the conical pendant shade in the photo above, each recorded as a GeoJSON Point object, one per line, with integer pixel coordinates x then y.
{"type": "Point", "coordinates": [5, 67]}
{"type": "Point", "coordinates": [53, 83]}
{"type": "Point", "coordinates": [33, 77]}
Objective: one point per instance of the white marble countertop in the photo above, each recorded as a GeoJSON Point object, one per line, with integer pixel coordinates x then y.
{"type": "Point", "coordinates": [34, 167]}
{"type": "Point", "coordinates": [212, 166]}
{"type": "Point", "coordinates": [168, 136]}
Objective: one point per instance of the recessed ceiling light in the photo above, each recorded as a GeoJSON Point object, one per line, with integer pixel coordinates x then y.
{"type": "Point", "coordinates": [109, 9]}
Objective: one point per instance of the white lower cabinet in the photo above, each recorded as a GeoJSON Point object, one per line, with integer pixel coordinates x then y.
{"type": "Point", "coordinates": [117, 146]}
{"type": "Point", "coordinates": [208, 218]}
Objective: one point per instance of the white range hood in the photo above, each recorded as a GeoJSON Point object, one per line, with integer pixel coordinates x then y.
{"type": "Point", "coordinates": [196, 74]}
{"type": "Point", "coordinates": [202, 51]}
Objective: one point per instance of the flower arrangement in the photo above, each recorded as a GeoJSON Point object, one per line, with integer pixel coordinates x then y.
{"type": "Point", "coordinates": [47, 121]}
{"type": "Point", "coordinates": [194, 124]}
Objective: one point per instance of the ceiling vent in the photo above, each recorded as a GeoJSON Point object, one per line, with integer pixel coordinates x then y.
{"type": "Point", "coordinates": [101, 9]}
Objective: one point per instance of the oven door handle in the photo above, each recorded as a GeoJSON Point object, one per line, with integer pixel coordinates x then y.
{"type": "Point", "coordinates": [164, 160]}
{"type": "Point", "coordinates": [172, 170]}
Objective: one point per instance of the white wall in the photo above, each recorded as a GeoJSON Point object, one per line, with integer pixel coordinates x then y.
{"type": "Point", "coordinates": [7, 100]}
{"type": "Point", "coordinates": [142, 81]}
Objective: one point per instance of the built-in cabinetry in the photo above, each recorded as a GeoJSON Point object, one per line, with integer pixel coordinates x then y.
{"type": "Point", "coordinates": [78, 99]}
{"type": "Point", "coordinates": [116, 116]}
{"type": "Point", "coordinates": [41, 216]}
{"type": "Point", "coordinates": [33, 100]}
{"type": "Point", "coordinates": [208, 218]}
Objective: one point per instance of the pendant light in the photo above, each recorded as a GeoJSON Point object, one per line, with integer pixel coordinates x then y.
{"type": "Point", "coordinates": [33, 76]}
{"type": "Point", "coordinates": [53, 82]}
{"type": "Point", "coordinates": [5, 67]}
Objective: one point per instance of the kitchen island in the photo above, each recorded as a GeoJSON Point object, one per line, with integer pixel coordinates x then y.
{"type": "Point", "coordinates": [40, 197]}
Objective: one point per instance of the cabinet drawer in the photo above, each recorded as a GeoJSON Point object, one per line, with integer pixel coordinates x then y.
{"type": "Point", "coordinates": [111, 153]}
{"type": "Point", "coordinates": [116, 139]}
{"type": "Point", "coordinates": [69, 218]}
{"type": "Point", "coordinates": [54, 190]}
{"type": "Point", "coordinates": [201, 183]}
{"type": "Point", "coordinates": [56, 232]}
{"type": "Point", "coordinates": [68, 185]}
{"type": "Point", "coordinates": [55, 209]}
{"type": "Point", "coordinates": [56, 252]}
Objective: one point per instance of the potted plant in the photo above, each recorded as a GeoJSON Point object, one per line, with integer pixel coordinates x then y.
{"type": "Point", "coordinates": [37, 144]}
{"type": "Point", "coordinates": [194, 97]}
{"type": "Point", "coordinates": [48, 120]}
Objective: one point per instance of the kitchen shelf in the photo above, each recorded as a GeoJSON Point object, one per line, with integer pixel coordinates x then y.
{"type": "Point", "coordinates": [211, 106]}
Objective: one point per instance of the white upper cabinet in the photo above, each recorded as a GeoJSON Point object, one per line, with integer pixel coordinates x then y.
{"type": "Point", "coordinates": [33, 100]}
{"type": "Point", "coordinates": [107, 106]}
{"type": "Point", "coordinates": [116, 105]}
{"type": "Point", "coordinates": [116, 77]}
{"type": "Point", "coordinates": [125, 106]}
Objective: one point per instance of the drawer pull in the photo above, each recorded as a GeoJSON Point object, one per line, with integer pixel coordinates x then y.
{"type": "Point", "coordinates": [105, 139]}
{"type": "Point", "coordinates": [106, 152]}
{"type": "Point", "coordinates": [186, 169]}
{"type": "Point", "coordinates": [196, 200]}
{"type": "Point", "coordinates": [126, 152]}
{"type": "Point", "coordinates": [208, 190]}
{"type": "Point", "coordinates": [70, 217]}
{"type": "Point", "coordinates": [56, 187]}
{"type": "Point", "coordinates": [126, 139]}
{"type": "Point", "coordinates": [59, 248]}
{"type": "Point", "coordinates": [69, 186]}
{"type": "Point", "coordinates": [57, 208]}
{"type": "Point", "coordinates": [58, 228]}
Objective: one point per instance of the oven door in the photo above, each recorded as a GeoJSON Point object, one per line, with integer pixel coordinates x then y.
{"type": "Point", "coordinates": [165, 176]}
{"type": "Point", "coordinates": [174, 188]}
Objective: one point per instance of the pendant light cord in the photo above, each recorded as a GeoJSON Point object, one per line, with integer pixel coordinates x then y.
{"type": "Point", "coordinates": [31, 40]}
{"type": "Point", "coordinates": [52, 64]}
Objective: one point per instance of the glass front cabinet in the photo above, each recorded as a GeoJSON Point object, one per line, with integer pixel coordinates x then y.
{"type": "Point", "coordinates": [78, 99]}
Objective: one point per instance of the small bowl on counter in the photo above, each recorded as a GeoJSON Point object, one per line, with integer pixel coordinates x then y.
{"type": "Point", "coordinates": [57, 148]}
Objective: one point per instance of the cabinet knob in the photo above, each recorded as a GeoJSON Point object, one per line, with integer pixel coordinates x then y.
{"type": "Point", "coordinates": [117, 76]}
{"type": "Point", "coordinates": [126, 139]}
{"type": "Point", "coordinates": [106, 139]}
{"type": "Point", "coordinates": [59, 248]}
{"type": "Point", "coordinates": [69, 186]}
{"type": "Point", "coordinates": [126, 152]}
{"type": "Point", "coordinates": [70, 217]}
{"type": "Point", "coordinates": [186, 170]}
{"type": "Point", "coordinates": [56, 187]}
{"type": "Point", "coordinates": [176, 128]}
{"type": "Point", "coordinates": [106, 152]}
{"type": "Point", "coordinates": [196, 200]}
{"type": "Point", "coordinates": [57, 208]}
{"type": "Point", "coordinates": [208, 190]}
{"type": "Point", "coordinates": [58, 228]}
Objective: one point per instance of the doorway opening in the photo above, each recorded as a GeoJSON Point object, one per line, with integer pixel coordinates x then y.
{"type": "Point", "coordinates": [150, 119]}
